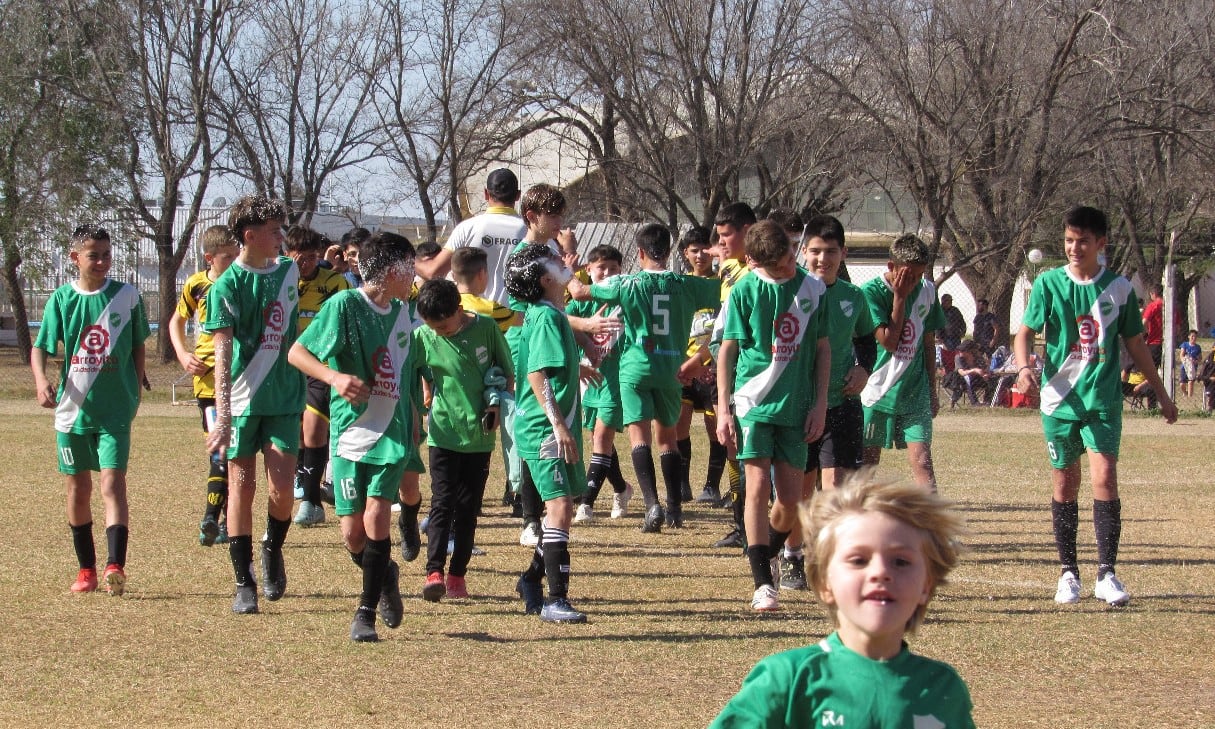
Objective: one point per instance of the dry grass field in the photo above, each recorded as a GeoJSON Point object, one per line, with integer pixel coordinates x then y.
{"type": "Point", "coordinates": [670, 635]}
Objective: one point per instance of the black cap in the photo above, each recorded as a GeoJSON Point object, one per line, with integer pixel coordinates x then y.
{"type": "Point", "coordinates": [502, 185]}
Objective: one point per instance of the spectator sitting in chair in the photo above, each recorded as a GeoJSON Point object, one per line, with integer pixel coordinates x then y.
{"type": "Point", "coordinates": [968, 376]}
{"type": "Point", "coordinates": [1136, 387]}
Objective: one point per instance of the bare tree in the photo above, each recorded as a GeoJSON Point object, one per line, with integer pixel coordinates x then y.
{"type": "Point", "coordinates": [983, 106]}
{"type": "Point", "coordinates": [296, 86]}
{"type": "Point", "coordinates": [169, 50]}
{"type": "Point", "coordinates": [446, 98]}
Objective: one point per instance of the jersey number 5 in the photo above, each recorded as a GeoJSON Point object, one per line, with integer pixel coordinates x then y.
{"type": "Point", "coordinates": [661, 311]}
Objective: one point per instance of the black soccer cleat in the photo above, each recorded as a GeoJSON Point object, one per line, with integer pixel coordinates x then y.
{"type": "Point", "coordinates": [532, 594]}
{"type": "Point", "coordinates": [560, 611]}
{"type": "Point", "coordinates": [362, 630]}
{"type": "Point", "coordinates": [654, 518]}
{"type": "Point", "coordinates": [391, 607]}
{"type": "Point", "coordinates": [274, 572]}
{"type": "Point", "coordinates": [245, 600]}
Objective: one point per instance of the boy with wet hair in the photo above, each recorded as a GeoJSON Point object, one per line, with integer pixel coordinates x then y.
{"type": "Point", "coordinates": [1085, 309]}
{"type": "Point", "coordinates": [547, 360]}
{"type": "Point", "coordinates": [774, 344]}
{"type": "Point", "coordinates": [656, 306]}
{"type": "Point", "coordinates": [317, 285]}
{"type": "Point", "coordinates": [461, 351]}
{"type": "Point", "coordinates": [259, 398]}
{"type": "Point", "coordinates": [102, 326]}
{"type": "Point", "coordinates": [900, 397]}
{"type": "Point", "coordinates": [219, 250]}
{"type": "Point", "coordinates": [361, 344]}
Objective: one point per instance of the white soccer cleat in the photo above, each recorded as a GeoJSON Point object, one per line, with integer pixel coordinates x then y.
{"type": "Point", "coordinates": [765, 599]}
{"type": "Point", "coordinates": [530, 536]}
{"type": "Point", "coordinates": [1068, 591]}
{"type": "Point", "coordinates": [620, 502]}
{"type": "Point", "coordinates": [584, 514]}
{"type": "Point", "coordinates": [1111, 590]}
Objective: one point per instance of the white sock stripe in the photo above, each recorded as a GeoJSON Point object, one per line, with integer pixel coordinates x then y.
{"type": "Point", "coordinates": [554, 536]}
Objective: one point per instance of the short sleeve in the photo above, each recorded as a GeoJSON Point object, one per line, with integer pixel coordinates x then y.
{"type": "Point", "coordinates": [50, 331]}
{"type": "Point", "coordinates": [1035, 311]}
{"type": "Point", "coordinates": [762, 701]}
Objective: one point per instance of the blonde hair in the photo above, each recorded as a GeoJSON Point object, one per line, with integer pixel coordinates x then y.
{"type": "Point", "coordinates": [214, 238]}
{"type": "Point", "coordinates": [934, 517]}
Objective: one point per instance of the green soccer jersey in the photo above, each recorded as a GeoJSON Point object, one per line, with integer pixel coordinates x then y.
{"type": "Point", "coordinates": [355, 336]}
{"type": "Point", "coordinates": [98, 387]}
{"type": "Point", "coordinates": [657, 309]}
{"type": "Point", "coordinates": [546, 343]}
{"type": "Point", "coordinates": [608, 346]}
{"type": "Point", "coordinates": [828, 685]}
{"type": "Point", "coordinates": [259, 306]}
{"type": "Point", "coordinates": [848, 316]}
{"type": "Point", "coordinates": [1083, 321]}
{"type": "Point", "coordinates": [457, 367]}
{"type": "Point", "coordinates": [777, 326]}
{"type": "Point", "coordinates": [899, 382]}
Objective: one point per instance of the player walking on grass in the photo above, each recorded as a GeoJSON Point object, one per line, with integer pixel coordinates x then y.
{"type": "Point", "coordinates": [360, 344]}
{"type": "Point", "coordinates": [1085, 308]}
{"type": "Point", "coordinates": [546, 423]}
{"type": "Point", "coordinates": [102, 326]}
{"type": "Point", "coordinates": [251, 313]}
{"type": "Point", "coordinates": [772, 372]}
{"type": "Point", "coordinates": [656, 306]}
{"type": "Point", "coordinates": [219, 250]}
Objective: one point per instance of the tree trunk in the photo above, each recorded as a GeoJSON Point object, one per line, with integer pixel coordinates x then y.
{"type": "Point", "coordinates": [16, 299]}
{"type": "Point", "coordinates": [167, 288]}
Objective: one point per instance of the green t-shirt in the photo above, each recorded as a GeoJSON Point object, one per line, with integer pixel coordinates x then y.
{"type": "Point", "coordinates": [260, 306]}
{"type": "Point", "coordinates": [777, 326]}
{"type": "Point", "coordinates": [848, 316]}
{"type": "Point", "coordinates": [546, 343]}
{"type": "Point", "coordinates": [1083, 321]}
{"type": "Point", "coordinates": [356, 337]}
{"type": "Point", "coordinates": [657, 309]}
{"type": "Point", "coordinates": [899, 382]}
{"type": "Point", "coordinates": [606, 393]}
{"type": "Point", "coordinates": [99, 330]}
{"type": "Point", "coordinates": [828, 685]}
{"type": "Point", "coordinates": [457, 367]}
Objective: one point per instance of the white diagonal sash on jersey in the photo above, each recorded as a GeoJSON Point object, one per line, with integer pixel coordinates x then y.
{"type": "Point", "coordinates": [757, 388]}
{"type": "Point", "coordinates": [362, 435]}
{"type": "Point", "coordinates": [255, 373]}
{"type": "Point", "coordinates": [887, 376]}
{"type": "Point", "coordinates": [79, 381]}
{"type": "Point", "coordinates": [1064, 380]}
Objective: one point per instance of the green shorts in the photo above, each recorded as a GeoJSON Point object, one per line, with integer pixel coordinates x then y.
{"type": "Point", "coordinates": [81, 452]}
{"type": "Point", "coordinates": [782, 443]}
{"type": "Point", "coordinates": [250, 433]}
{"type": "Point", "coordinates": [887, 430]}
{"type": "Point", "coordinates": [555, 478]}
{"type": "Point", "coordinates": [650, 402]}
{"type": "Point", "coordinates": [413, 464]}
{"type": "Point", "coordinates": [611, 415]}
{"type": "Point", "coordinates": [353, 482]}
{"type": "Point", "coordinates": [1067, 439]}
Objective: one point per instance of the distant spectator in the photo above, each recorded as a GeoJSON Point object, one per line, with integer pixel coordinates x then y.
{"type": "Point", "coordinates": [955, 324]}
{"type": "Point", "coordinates": [986, 331]}
{"type": "Point", "coordinates": [1153, 324]}
{"type": "Point", "coordinates": [1191, 356]}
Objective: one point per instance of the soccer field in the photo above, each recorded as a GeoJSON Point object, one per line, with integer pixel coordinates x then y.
{"type": "Point", "coordinates": [670, 636]}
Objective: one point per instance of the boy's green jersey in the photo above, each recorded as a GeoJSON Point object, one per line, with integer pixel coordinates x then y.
{"type": "Point", "coordinates": [457, 367]}
{"type": "Point", "coordinates": [356, 337]}
{"type": "Point", "coordinates": [546, 343]}
{"type": "Point", "coordinates": [1083, 321]}
{"type": "Point", "coordinates": [98, 386]}
{"type": "Point", "coordinates": [828, 685]}
{"type": "Point", "coordinates": [260, 307]}
{"type": "Point", "coordinates": [899, 382]}
{"type": "Point", "coordinates": [657, 309]}
{"type": "Point", "coordinates": [777, 326]}
{"type": "Point", "coordinates": [848, 316]}
{"type": "Point", "coordinates": [608, 348]}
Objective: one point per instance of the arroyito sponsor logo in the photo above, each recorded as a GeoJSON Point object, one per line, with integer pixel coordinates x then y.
{"type": "Point", "coordinates": [907, 340]}
{"type": "Point", "coordinates": [95, 339]}
{"type": "Point", "coordinates": [788, 331]}
{"type": "Point", "coordinates": [275, 320]}
{"type": "Point", "coordinates": [386, 382]}
{"type": "Point", "coordinates": [1089, 345]}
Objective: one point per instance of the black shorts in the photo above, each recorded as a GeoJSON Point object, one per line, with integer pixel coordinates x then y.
{"type": "Point", "coordinates": [203, 404]}
{"type": "Point", "coordinates": [702, 396]}
{"type": "Point", "coordinates": [841, 444]}
{"type": "Point", "coordinates": [318, 397]}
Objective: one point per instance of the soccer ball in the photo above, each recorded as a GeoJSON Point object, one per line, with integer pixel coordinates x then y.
{"type": "Point", "coordinates": [1034, 256]}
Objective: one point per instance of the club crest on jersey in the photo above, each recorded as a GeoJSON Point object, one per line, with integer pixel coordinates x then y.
{"type": "Point", "coordinates": [115, 318]}
{"type": "Point", "coordinates": [402, 339]}
{"type": "Point", "coordinates": [806, 305]}
{"type": "Point", "coordinates": [846, 307]}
